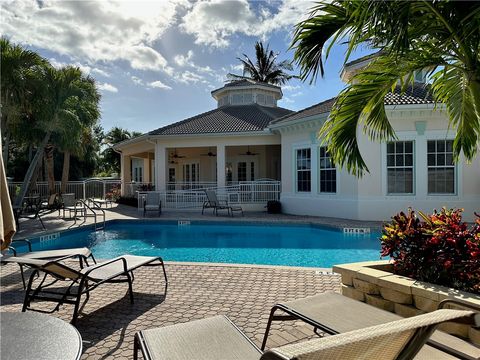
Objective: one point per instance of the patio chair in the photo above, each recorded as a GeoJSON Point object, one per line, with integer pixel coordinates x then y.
{"type": "Point", "coordinates": [52, 203]}
{"type": "Point", "coordinates": [72, 205]}
{"type": "Point", "coordinates": [81, 253]}
{"type": "Point", "coordinates": [218, 338]}
{"type": "Point", "coordinates": [86, 279]}
{"type": "Point", "coordinates": [214, 203]}
{"type": "Point", "coordinates": [332, 313]}
{"type": "Point", "coordinates": [152, 202]}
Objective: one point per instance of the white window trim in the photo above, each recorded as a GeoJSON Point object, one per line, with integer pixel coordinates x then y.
{"type": "Point", "coordinates": [337, 173]}
{"type": "Point", "coordinates": [456, 168]}
{"type": "Point", "coordinates": [414, 179]}
{"type": "Point", "coordinates": [301, 146]}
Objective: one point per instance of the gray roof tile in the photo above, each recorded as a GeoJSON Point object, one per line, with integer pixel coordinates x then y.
{"type": "Point", "coordinates": [416, 94]}
{"type": "Point", "coordinates": [226, 119]}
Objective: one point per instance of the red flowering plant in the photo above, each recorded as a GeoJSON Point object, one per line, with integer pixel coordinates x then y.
{"type": "Point", "coordinates": [438, 248]}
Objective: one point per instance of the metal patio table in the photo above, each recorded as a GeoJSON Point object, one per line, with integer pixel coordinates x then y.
{"type": "Point", "coordinates": [30, 335]}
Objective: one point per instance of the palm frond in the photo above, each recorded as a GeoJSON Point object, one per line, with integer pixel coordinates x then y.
{"type": "Point", "coordinates": [454, 89]}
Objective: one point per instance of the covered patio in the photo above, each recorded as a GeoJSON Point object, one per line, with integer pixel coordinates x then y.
{"type": "Point", "coordinates": [189, 164]}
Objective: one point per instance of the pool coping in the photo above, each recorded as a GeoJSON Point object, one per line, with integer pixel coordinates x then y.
{"type": "Point", "coordinates": [195, 221]}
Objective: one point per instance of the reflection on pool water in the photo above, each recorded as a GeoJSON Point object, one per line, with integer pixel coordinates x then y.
{"type": "Point", "coordinates": [243, 243]}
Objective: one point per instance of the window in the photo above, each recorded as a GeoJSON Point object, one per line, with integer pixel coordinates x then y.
{"type": "Point", "coordinates": [304, 170]}
{"type": "Point", "coordinates": [191, 172]}
{"type": "Point", "coordinates": [252, 171]}
{"type": "Point", "coordinates": [328, 173]}
{"type": "Point", "coordinates": [400, 167]}
{"type": "Point", "coordinates": [242, 171]}
{"type": "Point", "coordinates": [137, 170]}
{"type": "Point", "coordinates": [261, 99]}
{"type": "Point", "coordinates": [441, 170]}
{"type": "Point", "coordinates": [229, 170]}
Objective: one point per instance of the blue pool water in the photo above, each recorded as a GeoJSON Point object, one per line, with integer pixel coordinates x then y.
{"type": "Point", "coordinates": [292, 245]}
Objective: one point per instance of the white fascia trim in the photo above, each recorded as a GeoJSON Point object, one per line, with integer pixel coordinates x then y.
{"type": "Point", "coordinates": [140, 138]}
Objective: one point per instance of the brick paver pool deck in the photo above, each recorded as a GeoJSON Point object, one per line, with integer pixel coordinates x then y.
{"type": "Point", "coordinates": [244, 293]}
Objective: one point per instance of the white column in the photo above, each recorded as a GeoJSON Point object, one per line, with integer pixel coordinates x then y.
{"type": "Point", "coordinates": [146, 170]}
{"type": "Point", "coordinates": [160, 167]}
{"type": "Point", "coordinates": [125, 172]}
{"type": "Point", "coordinates": [221, 166]}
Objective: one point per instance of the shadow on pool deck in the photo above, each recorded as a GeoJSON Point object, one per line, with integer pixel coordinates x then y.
{"type": "Point", "coordinates": [245, 294]}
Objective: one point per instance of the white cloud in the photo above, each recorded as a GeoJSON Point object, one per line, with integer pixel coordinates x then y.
{"type": "Point", "coordinates": [290, 87]}
{"type": "Point", "coordinates": [213, 22]}
{"type": "Point", "coordinates": [154, 84]}
{"type": "Point", "coordinates": [100, 72]}
{"type": "Point", "coordinates": [189, 77]}
{"type": "Point", "coordinates": [137, 80]}
{"type": "Point", "coordinates": [159, 85]}
{"type": "Point", "coordinates": [93, 31]}
{"type": "Point", "coordinates": [183, 60]}
{"type": "Point", "coordinates": [107, 87]}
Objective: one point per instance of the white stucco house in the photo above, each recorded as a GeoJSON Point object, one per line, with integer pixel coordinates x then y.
{"type": "Point", "coordinates": [248, 137]}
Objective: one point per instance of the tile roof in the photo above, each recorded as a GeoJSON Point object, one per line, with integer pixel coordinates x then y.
{"type": "Point", "coordinates": [226, 119]}
{"type": "Point", "coordinates": [416, 94]}
{"type": "Point", "coordinates": [317, 109]}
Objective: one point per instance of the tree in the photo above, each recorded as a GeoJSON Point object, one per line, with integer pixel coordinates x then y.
{"type": "Point", "coordinates": [440, 36]}
{"type": "Point", "coordinates": [111, 159]}
{"type": "Point", "coordinates": [16, 66]}
{"type": "Point", "coordinates": [57, 90]}
{"type": "Point", "coordinates": [86, 108]}
{"type": "Point", "coordinates": [265, 69]}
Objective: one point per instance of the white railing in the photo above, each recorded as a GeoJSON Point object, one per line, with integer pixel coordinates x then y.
{"type": "Point", "coordinates": [254, 192]}
{"type": "Point", "coordinates": [192, 185]}
{"type": "Point", "coordinates": [92, 188]}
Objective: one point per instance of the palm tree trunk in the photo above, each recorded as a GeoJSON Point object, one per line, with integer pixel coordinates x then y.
{"type": "Point", "coordinates": [6, 144]}
{"type": "Point", "coordinates": [31, 170]}
{"type": "Point", "coordinates": [65, 171]}
{"type": "Point", "coordinates": [49, 148]}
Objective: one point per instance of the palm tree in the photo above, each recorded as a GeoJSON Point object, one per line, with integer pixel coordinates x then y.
{"type": "Point", "coordinates": [265, 69]}
{"type": "Point", "coordinates": [111, 159]}
{"type": "Point", "coordinates": [440, 36]}
{"type": "Point", "coordinates": [16, 65]}
{"type": "Point", "coordinates": [57, 92]}
{"type": "Point", "coordinates": [86, 108]}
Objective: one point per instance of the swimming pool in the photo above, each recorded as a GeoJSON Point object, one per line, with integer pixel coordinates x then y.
{"type": "Point", "coordinates": [242, 243]}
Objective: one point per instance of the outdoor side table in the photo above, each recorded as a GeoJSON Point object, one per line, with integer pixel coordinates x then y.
{"type": "Point", "coordinates": [36, 336]}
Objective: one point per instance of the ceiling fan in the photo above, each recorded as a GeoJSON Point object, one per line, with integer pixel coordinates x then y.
{"type": "Point", "coordinates": [175, 155]}
{"type": "Point", "coordinates": [210, 153]}
{"type": "Point", "coordinates": [249, 153]}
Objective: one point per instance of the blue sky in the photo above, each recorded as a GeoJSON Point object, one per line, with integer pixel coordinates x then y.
{"type": "Point", "coordinates": [157, 61]}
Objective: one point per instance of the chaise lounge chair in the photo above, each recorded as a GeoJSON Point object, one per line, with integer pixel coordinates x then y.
{"type": "Point", "coordinates": [332, 313]}
{"type": "Point", "coordinates": [215, 204]}
{"type": "Point", "coordinates": [87, 278]}
{"type": "Point", "coordinates": [218, 338]}
{"type": "Point", "coordinates": [83, 254]}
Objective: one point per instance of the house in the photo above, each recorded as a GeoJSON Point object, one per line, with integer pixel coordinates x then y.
{"type": "Point", "coordinates": [248, 137]}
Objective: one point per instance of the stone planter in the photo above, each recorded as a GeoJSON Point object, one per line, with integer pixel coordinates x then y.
{"type": "Point", "coordinates": [373, 282]}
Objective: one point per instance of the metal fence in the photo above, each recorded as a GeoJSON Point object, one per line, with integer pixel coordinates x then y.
{"type": "Point", "coordinates": [247, 192]}
{"type": "Point", "coordinates": [92, 188]}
